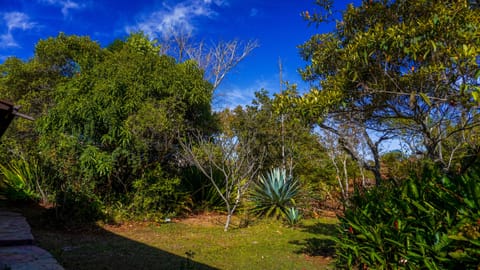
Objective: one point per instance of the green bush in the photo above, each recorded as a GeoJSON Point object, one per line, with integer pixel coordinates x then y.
{"type": "Point", "coordinates": [156, 195]}
{"type": "Point", "coordinates": [76, 207]}
{"type": "Point", "coordinates": [432, 222]}
{"type": "Point", "coordinates": [274, 194]}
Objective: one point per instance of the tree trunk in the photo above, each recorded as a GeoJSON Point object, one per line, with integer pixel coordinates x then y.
{"type": "Point", "coordinates": [345, 174]}
{"type": "Point", "coordinates": [227, 223]}
{"type": "Point", "coordinates": [363, 175]}
{"type": "Point", "coordinates": [378, 177]}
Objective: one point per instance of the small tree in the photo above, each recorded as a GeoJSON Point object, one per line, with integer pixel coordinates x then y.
{"type": "Point", "coordinates": [230, 157]}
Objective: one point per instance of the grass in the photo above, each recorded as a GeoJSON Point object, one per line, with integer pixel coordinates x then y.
{"type": "Point", "coordinates": [194, 243]}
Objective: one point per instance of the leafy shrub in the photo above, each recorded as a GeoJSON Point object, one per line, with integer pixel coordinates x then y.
{"type": "Point", "coordinates": [76, 207]}
{"type": "Point", "coordinates": [156, 195]}
{"type": "Point", "coordinates": [431, 222]}
{"type": "Point", "coordinates": [273, 194]}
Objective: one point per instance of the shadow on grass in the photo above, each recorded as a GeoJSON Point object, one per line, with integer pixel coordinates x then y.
{"type": "Point", "coordinates": [317, 246]}
{"type": "Point", "coordinates": [97, 248]}
{"type": "Point", "coordinates": [320, 228]}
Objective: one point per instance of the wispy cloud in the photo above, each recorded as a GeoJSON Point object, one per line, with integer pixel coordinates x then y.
{"type": "Point", "coordinates": [17, 20]}
{"type": "Point", "coordinates": [7, 41]}
{"type": "Point", "coordinates": [14, 20]}
{"type": "Point", "coordinates": [177, 18]}
{"type": "Point", "coordinates": [65, 5]}
{"type": "Point", "coordinates": [230, 96]}
{"type": "Point", "coordinates": [217, 2]}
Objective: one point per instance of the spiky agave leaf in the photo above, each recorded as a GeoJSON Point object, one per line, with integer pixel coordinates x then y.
{"type": "Point", "coordinates": [273, 194]}
{"type": "Point", "coordinates": [293, 216]}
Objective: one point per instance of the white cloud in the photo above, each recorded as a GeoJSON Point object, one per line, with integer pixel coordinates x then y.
{"type": "Point", "coordinates": [7, 41]}
{"type": "Point", "coordinates": [65, 5]}
{"type": "Point", "coordinates": [217, 2]}
{"type": "Point", "coordinates": [231, 96]}
{"type": "Point", "coordinates": [17, 20]}
{"type": "Point", "coordinates": [177, 18]}
{"type": "Point", "coordinates": [14, 20]}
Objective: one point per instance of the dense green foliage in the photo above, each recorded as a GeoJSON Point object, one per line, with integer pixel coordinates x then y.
{"type": "Point", "coordinates": [406, 69]}
{"type": "Point", "coordinates": [107, 119]}
{"type": "Point", "coordinates": [286, 141]}
{"type": "Point", "coordinates": [431, 222]}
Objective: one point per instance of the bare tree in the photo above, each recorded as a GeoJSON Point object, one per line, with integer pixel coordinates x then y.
{"type": "Point", "coordinates": [217, 59]}
{"type": "Point", "coordinates": [230, 157]}
{"type": "Point", "coordinates": [359, 141]}
{"type": "Point", "coordinates": [339, 158]}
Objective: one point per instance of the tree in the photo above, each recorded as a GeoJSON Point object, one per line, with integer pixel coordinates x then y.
{"type": "Point", "coordinates": [229, 157]}
{"type": "Point", "coordinates": [217, 59]}
{"type": "Point", "coordinates": [108, 118]}
{"type": "Point", "coordinates": [286, 142]}
{"type": "Point", "coordinates": [32, 84]}
{"type": "Point", "coordinates": [405, 69]}
{"type": "Point", "coordinates": [339, 159]}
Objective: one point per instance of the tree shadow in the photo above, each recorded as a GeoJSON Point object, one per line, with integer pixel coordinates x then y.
{"type": "Point", "coordinates": [96, 248]}
{"type": "Point", "coordinates": [320, 228]}
{"type": "Point", "coordinates": [317, 246]}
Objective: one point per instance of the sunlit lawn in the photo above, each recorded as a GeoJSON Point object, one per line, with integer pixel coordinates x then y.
{"type": "Point", "coordinates": [194, 243]}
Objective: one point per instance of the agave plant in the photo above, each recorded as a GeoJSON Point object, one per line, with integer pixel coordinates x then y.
{"type": "Point", "coordinates": [274, 193]}
{"type": "Point", "coordinates": [293, 216]}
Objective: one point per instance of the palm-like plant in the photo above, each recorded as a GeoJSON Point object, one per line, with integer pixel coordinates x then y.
{"type": "Point", "coordinates": [274, 194]}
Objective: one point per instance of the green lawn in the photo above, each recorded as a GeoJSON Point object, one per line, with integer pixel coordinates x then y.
{"type": "Point", "coordinates": [195, 243]}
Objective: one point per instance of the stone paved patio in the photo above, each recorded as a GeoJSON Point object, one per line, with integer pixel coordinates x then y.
{"type": "Point", "coordinates": [17, 250]}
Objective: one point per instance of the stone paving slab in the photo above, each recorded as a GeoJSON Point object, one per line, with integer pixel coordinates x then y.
{"type": "Point", "coordinates": [14, 229]}
{"type": "Point", "coordinates": [17, 251]}
{"type": "Point", "coordinates": [27, 258]}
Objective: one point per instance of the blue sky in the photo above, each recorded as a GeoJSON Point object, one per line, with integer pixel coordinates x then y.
{"type": "Point", "coordinates": [277, 25]}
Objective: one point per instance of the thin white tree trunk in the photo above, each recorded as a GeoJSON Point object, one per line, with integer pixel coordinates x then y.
{"type": "Point", "coordinates": [345, 174]}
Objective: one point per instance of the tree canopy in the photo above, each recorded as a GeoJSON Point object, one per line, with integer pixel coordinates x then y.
{"type": "Point", "coordinates": [107, 117]}
{"type": "Point", "coordinates": [397, 69]}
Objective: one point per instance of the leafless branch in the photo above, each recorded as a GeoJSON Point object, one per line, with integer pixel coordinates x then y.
{"type": "Point", "coordinates": [230, 157]}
